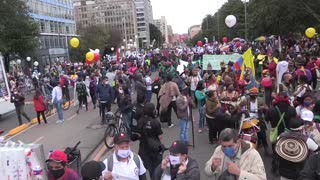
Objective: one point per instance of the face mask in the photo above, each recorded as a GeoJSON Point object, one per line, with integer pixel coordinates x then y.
{"type": "Point", "coordinates": [15, 92]}
{"type": "Point", "coordinates": [120, 91]}
{"type": "Point", "coordinates": [253, 97]}
{"type": "Point", "coordinates": [229, 151]}
{"type": "Point", "coordinates": [306, 104]}
{"type": "Point", "coordinates": [57, 173]}
{"type": "Point", "coordinates": [174, 160]}
{"type": "Point", "coordinates": [124, 153]}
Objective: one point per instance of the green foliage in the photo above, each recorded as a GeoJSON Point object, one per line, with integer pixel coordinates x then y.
{"type": "Point", "coordinates": [155, 34]}
{"type": "Point", "coordinates": [263, 18]}
{"type": "Point", "coordinates": [95, 37]}
{"type": "Point", "coordinates": [18, 31]}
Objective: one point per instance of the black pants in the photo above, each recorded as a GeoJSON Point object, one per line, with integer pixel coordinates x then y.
{"type": "Point", "coordinates": [65, 92]}
{"type": "Point", "coordinates": [82, 100]}
{"type": "Point", "coordinates": [94, 99]}
{"type": "Point", "coordinates": [215, 127]}
{"type": "Point", "coordinates": [20, 111]}
{"type": "Point", "coordinates": [167, 116]}
{"type": "Point", "coordinates": [314, 81]}
{"type": "Point", "coordinates": [103, 107]}
{"type": "Point", "coordinates": [43, 117]}
{"type": "Point", "coordinates": [151, 161]}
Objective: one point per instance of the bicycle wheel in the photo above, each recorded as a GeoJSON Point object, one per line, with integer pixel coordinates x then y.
{"type": "Point", "coordinates": [123, 128]}
{"type": "Point", "coordinates": [109, 135]}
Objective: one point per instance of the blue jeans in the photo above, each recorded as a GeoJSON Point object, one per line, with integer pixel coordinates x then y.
{"type": "Point", "coordinates": [201, 116]}
{"type": "Point", "coordinates": [58, 106]}
{"type": "Point", "coordinates": [184, 126]}
{"type": "Point", "coordinates": [149, 95]}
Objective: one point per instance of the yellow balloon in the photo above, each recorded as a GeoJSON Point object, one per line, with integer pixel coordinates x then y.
{"type": "Point", "coordinates": [90, 56]}
{"type": "Point", "coordinates": [74, 42]}
{"type": "Point", "coordinates": [310, 32]}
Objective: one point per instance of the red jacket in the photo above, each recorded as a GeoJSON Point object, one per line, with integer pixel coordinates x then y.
{"type": "Point", "coordinates": [39, 104]}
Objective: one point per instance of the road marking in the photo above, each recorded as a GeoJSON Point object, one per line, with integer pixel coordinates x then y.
{"type": "Point", "coordinates": [73, 116]}
{"type": "Point", "coordinates": [37, 140]}
{"type": "Point", "coordinates": [20, 132]}
{"type": "Point", "coordinates": [100, 153]}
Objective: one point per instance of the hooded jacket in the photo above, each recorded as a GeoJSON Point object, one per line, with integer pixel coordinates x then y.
{"type": "Point", "coordinates": [192, 172]}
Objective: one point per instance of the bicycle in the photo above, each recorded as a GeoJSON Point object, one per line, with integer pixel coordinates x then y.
{"type": "Point", "coordinates": [116, 125]}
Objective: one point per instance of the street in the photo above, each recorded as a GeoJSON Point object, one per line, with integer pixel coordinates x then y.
{"type": "Point", "coordinates": [85, 127]}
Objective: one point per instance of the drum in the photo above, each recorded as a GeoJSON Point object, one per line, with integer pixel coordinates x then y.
{"type": "Point", "coordinates": [251, 138]}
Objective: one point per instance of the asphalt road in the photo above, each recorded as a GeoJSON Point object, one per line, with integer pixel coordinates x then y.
{"type": "Point", "coordinates": [85, 127]}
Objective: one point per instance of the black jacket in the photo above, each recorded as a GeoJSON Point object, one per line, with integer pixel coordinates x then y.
{"type": "Point", "coordinates": [104, 92]}
{"type": "Point", "coordinates": [17, 99]}
{"type": "Point", "coordinates": [311, 170]}
{"type": "Point", "coordinates": [125, 103]}
{"type": "Point", "coordinates": [192, 172]}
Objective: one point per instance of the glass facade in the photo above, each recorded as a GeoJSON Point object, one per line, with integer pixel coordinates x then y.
{"type": "Point", "coordinates": [56, 26]}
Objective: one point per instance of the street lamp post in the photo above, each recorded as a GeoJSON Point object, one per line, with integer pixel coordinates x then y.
{"type": "Point", "coordinates": [245, 19]}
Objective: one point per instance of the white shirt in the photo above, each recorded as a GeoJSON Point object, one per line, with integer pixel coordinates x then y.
{"type": "Point", "coordinates": [125, 170]}
{"type": "Point", "coordinates": [148, 82]}
{"type": "Point", "coordinates": [56, 93]}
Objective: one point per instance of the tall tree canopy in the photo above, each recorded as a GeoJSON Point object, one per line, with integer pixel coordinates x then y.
{"type": "Point", "coordinates": [155, 34]}
{"type": "Point", "coordinates": [18, 31]}
{"type": "Point", "coordinates": [263, 18]}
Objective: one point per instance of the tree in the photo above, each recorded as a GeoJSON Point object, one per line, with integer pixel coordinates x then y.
{"type": "Point", "coordinates": [18, 30]}
{"type": "Point", "coordinates": [155, 34]}
{"type": "Point", "coordinates": [95, 37]}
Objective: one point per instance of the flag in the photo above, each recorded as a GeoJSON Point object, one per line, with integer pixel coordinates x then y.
{"type": "Point", "coordinates": [238, 64]}
{"type": "Point", "coordinates": [247, 63]}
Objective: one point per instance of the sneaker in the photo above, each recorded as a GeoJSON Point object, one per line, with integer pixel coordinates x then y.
{"type": "Point", "coordinates": [171, 125]}
{"type": "Point", "coordinates": [59, 121]}
{"type": "Point", "coordinates": [199, 131]}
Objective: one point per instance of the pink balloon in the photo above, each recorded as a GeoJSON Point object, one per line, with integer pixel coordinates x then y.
{"type": "Point", "coordinates": [224, 39]}
{"type": "Point", "coordinates": [88, 62]}
{"type": "Point", "coordinates": [199, 43]}
{"type": "Point", "coordinates": [238, 44]}
{"type": "Point", "coordinates": [96, 57]}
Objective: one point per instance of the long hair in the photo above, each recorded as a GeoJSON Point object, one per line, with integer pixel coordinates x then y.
{"type": "Point", "coordinates": [38, 93]}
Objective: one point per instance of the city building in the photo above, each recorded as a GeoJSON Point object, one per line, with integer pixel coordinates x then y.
{"type": "Point", "coordinates": [193, 31]}
{"type": "Point", "coordinates": [170, 35]}
{"type": "Point", "coordinates": [144, 18]}
{"type": "Point", "coordinates": [119, 15]}
{"type": "Point", "coordinates": [56, 27]}
{"type": "Point", "coordinates": [163, 27]}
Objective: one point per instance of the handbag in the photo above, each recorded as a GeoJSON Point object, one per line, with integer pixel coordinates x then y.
{"type": "Point", "coordinates": [274, 131]}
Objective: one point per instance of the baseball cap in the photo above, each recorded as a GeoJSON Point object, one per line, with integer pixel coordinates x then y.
{"type": "Point", "coordinates": [307, 115]}
{"type": "Point", "coordinates": [58, 156]}
{"type": "Point", "coordinates": [121, 137]}
{"type": "Point", "coordinates": [178, 147]}
{"type": "Point", "coordinates": [92, 170]}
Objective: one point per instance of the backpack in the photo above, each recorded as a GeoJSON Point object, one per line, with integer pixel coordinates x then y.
{"type": "Point", "coordinates": [92, 86]}
{"type": "Point", "coordinates": [136, 160]}
{"type": "Point", "coordinates": [81, 88]}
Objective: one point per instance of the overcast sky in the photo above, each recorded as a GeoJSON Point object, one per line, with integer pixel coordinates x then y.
{"type": "Point", "coordinates": [181, 14]}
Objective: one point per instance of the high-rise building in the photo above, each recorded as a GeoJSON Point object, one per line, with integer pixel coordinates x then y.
{"type": "Point", "coordinates": [56, 26]}
{"type": "Point", "coordinates": [119, 15]}
{"type": "Point", "coordinates": [144, 18]}
{"type": "Point", "coordinates": [170, 34]}
{"type": "Point", "coordinates": [163, 27]}
{"type": "Point", "coordinates": [193, 31]}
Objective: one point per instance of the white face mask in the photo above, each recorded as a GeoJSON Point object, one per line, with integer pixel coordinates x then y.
{"type": "Point", "coordinates": [124, 153]}
{"type": "Point", "coordinates": [174, 160]}
{"type": "Point", "coordinates": [120, 91]}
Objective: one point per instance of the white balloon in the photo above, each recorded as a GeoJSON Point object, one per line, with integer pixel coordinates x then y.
{"type": "Point", "coordinates": [112, 48]}
{"type": "Point", "coordinates": [19, 61]}
{"type": "Point", "coordinates": [97, 51]}
{"type": "Point", "coordinates": [36, 63]}
{"type": "Point", "coordinates": [230, 21]}
{"type": "Point", "coordinates": [28, 58]}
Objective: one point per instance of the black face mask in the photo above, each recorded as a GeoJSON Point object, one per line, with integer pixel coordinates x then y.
{"type": "Point", "coordinates": [253, 97]}
{"type": "Point", "coordinates": [57, 173]}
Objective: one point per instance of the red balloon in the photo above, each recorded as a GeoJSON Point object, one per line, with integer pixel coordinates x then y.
{"type": "Point", "coordinates": [224, 39]}
{"type": "Point", "coordinates": [96, 57]}
{"type": "Point", "coordinates": [238, 44]}
{"type": "Point", "coordinates": [88, 62]}
{"type": "Point", "coordinates": [199, 43]}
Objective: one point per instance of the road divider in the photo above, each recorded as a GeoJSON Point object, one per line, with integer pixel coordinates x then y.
{"type": "Point", "coordinates": [18, 129]}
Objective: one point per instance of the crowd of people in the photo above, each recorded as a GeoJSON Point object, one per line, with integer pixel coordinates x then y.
{"type": "Point", "coordinates": [235, 107]}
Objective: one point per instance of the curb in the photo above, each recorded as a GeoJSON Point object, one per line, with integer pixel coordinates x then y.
{"type": "Point", "coordinates": [22, 127]}
{"type": "Point", "coordinates": [18, 129]}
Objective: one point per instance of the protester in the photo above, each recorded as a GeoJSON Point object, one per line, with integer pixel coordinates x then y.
{"type": "Point", "coordinates": [311, 168]}
{"type": "Point", "coordinates": [57, 101]}
{"type": "Point", "coordinates": [39, 106]}
{"type": "Point", "coordinates": [149, 86]}
{"type": "Point", "coordinates": [18, 99]}
{"type": "Point", "coordinates": [125, 105]}
{"type": "Point", "coordinates": [212, 108]}
{"type": "Point", "coordinates": [92, 170]}
{"type": "Point", "coordinates": [104, 96]}
{"type": "Point", "coordinates": [81, 90]}
{"type": "Point", "coordinates": [58, 169]}
{"type": "Point", "coordinates": [235, 159]}
{"type": "Point", "coordinates": [201, 100]}
{"type": "Point", "coordinates": [150, 147]}
{"type": "Point", "coordinates": [92, 91]}
{"type": "Point", "coordinates": [123, 163]}
{"type": "Point", "coordinates": [178, 165]}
